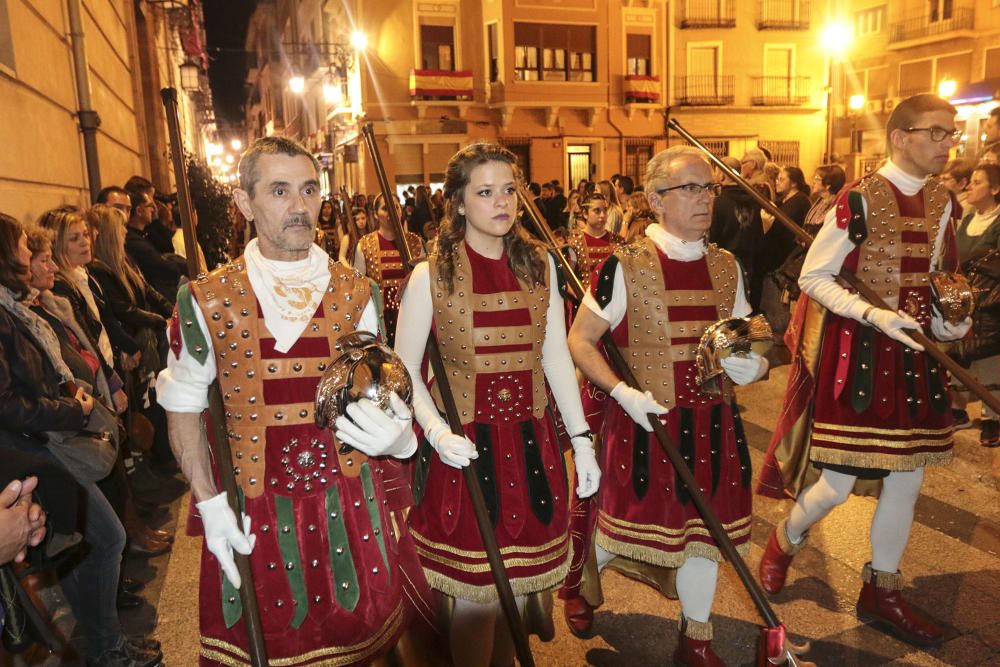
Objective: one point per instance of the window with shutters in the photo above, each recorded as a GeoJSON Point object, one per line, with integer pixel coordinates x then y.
{"type": "Point", "coordinates": [785, 153]}
{"type": "Point", "coordinates": [552, 52]}
{"type": "Point", "coordinates": [493, 51]}
{"type": "Point", "coordinates": [437, 47]}
{"type": "Point", "coordinates": [638, 49]}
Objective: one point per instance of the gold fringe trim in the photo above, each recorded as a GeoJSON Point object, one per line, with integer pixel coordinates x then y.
{"type": "Point", "coordinates": [481, 555]}
{"type": "Point", "coordinates": [887, 581]}
{"type": "Point", "coordinates": [844, 428]}
{"type": "Point", "coordinates": [653, 532]}
{"type": "Point", "coordinates": [786, 545]}
{"type": "Point", "coordinates": [868, 439]}
{"type": "Point", "coordinates": [663, 558]}
{"type": "Point", "coordinates": [479, 568]}
{"type": "Point", "coordinates": [696, 630]}
{"type": "Point", "coordinates": [332, 656]}
{"type": "Point", "coordinates": [891, 462]}
{"type": "Point", "coordinates": [488, 593]}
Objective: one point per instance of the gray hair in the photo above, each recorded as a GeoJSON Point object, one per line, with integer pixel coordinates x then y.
{"type": "Point", "coordinates": [756, 156]}
{"type": "Point", "coordinates": [273, 145]}
{"type": "Point", "coordinates": [660, 168]}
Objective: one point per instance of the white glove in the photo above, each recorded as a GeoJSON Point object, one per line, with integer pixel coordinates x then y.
{"type": "Point", "coordinates": [222, 535]}
{"type": "Point", "coordinates": [588, 473]}
{"type": "Point", "coordinates": [744, 370]}
{"type": "Point", "coordinates": [454, 450]}
{"type": "Point", "coordinates": [637, 404]}
{"type": "Point", "coordinates": [894, 324]}
{"type": "Point", "coordinates": [946, 331]}
{"type": "Point", "coordinates": [376, 432]}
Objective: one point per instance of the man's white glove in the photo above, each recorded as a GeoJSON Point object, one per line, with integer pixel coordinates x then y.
{"type": "Point", "coordinates": [894, 325]}
{"type": "Point", "coordinates": [637, 405]}
{"type": "Point", "coordinates": [588, 473]}
{"type": "Point", "coordinates": [744, 370]}
{"type": "Point", "coordinates": [222, 535]}
{"type": "Point", "coordinates": [455, 450]}
{"type": "Point", "coordinates": [945, 331]}
{"type": "Point", "coordinates": [378, 433]}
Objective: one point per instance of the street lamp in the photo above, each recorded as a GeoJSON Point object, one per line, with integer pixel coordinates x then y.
{"type": "Point", "coordinates": [359, 40]}
{"type": "Point", "coordinates": [189, 75]}
{"type": "Point", "coordinates": [835, 38]}
{"type": "Point", "coordinates": [297, 84]}
{"type": "Point", "coordinates": [947, 88]}
{"type": "Point", "coordinates": [856, 102]}
{"type": "Point", "coordinates": [236, 144]}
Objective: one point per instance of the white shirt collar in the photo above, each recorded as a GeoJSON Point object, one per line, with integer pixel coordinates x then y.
{"type": "Point", "coordinates": [673, 247]}
{"type": "Point", "coordinates": [907, 183]}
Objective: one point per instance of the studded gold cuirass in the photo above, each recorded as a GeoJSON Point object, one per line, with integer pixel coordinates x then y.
{"type": "Point", "coordinates": [657, 341]}
{"type": "Point", "coordinates": [385, 266]}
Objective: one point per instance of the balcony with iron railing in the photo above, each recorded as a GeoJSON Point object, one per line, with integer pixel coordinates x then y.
{"type": "Point", "coordinates": [770, 91]}
{"type": "Point", "coordinates": [783, 15]}
{"type": "Point", "coordinates": [706, 13]}
{"type": "Point", "coordinates": [704, 90]}
{"type": "Point", "coordinates": [941, 24]}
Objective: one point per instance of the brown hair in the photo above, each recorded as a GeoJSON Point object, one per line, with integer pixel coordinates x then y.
{"type": "Point", "coordinates": [522, 252]}
{"type": "Point", "coordinates": [109, 247]}
{"type": "Point", "coordinates": [960, 169]}
{"type": "Point", "coordinates": [58, 221]}
{"type": "Point", "coordinates": [247, 169]}
{"type": "Point", "coordinates": [909, 110]}
{"type": "Point", "coordinates": [992, 173]}
{"type": "Point", "coordinates": [832, 176]}
{"type": "Point", "coordinates": [588, 200]}
{"type": "Point", "coordinates": [39, 239]}
{"type": "Point", "coordinates": [13, 274]}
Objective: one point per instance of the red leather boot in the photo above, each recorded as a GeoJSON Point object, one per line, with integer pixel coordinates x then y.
{"type": "Point", "coordinates": [881, 603]}
{"type": "Point", "coordinates": [579, 616]}
{"type": "Point", "coordinates": [694, 645]}
{"type": "Point", "coordinates": [776, 559]}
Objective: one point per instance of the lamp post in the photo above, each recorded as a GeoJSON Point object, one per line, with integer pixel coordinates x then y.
{"type": "Point", "coordinates": [835, 39]}
{"type": "Point", "coordinates": [189, 75]}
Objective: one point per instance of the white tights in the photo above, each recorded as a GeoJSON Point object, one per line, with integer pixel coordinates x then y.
{"type": "Point", "coordinates": [890, 529]}
{"type": "Point", "coordinates": [696, 580]}
{"type": "Point", "coordinates": [479, 636]}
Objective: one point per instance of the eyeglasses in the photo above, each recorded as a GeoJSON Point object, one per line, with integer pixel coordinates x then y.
{"type": "Point", "coordinates": [937, 133]}
{"type": "Point", "coordinates": [694, 189]}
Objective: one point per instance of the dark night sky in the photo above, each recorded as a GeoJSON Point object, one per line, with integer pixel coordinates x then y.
{"type": "Point", "coordinates": [226, 29]}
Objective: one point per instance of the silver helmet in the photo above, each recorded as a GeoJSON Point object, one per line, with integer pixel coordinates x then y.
{"type": "Point", "coordinates": [733, 336]}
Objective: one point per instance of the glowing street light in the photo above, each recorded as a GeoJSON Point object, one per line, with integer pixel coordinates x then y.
{"type": "Point", "coordinates": [835, 39]}
{"type": "Point", "coordinates": [297, 84]}
{"type": "Point", "coordinates": [856, 102]}
{"type": "Point", "coordinates": [947, 88]}
{"type": "Point", "coordinates": [359, 40]}
{"type": "Point", "coordinates": [229, 158]}
{"type": "Point", "coordinates": [332, 94]}
{"type": "Point", "coordinates": [236, 145]}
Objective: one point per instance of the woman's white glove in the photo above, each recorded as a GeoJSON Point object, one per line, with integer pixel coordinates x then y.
{"type": "Point", "coordinates": [894, 325]}
{"type": "Point", "coordinates": [222, 535]}
{"type": "Point", "coordinates": [588, 473]}
{"type": "Point", "coordinates": [637, 405]}
{"type": "Point", "coordinates": [376, 432]}
{"type": "Point", "coordinates": [945, 331]}
{"type": "Point", "coordinates": [454, 450]}
{"type": "Point", "coordinates": [744, 370]}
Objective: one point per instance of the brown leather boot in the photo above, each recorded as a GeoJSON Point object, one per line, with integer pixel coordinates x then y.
{"type": "Point", "coordinates": [694, 645]}
{"type": "Point", "coordinates": [776, 559]}
{"type": "Point", "coordinates": [579, 616]}
{"type": "Point", "coordinates": [881, 603]}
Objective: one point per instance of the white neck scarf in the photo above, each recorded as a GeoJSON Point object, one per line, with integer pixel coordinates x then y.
{"type": "Point", "coordinates": [673, 247]}
{"type": "Point", "coordinates": [909, 185]}
{"type": "Point", "coordinates": [288, 292]}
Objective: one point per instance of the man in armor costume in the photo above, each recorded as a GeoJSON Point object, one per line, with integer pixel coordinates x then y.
{"type": "Point", "coordinates": [378, 258]}
{"type": "Point", "coordinates": [326, 549]}
{"type": "Point", "coordinates": [657, 296]}
{"type": "Point", "coordinates": [865, 407]}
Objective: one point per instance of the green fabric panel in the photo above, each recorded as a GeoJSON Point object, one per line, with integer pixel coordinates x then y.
{"type": "Point", "coordinates": [379, 309]}
{"type": "Point", "coordinates": [232, 606]}
{"type": "Point", "coordinates": [857, 226]}
{"type": "Point", "coordinates": [288, 544]}
{"type": "Point", "coordinates": [374, 515]}
{"type": "Point", "coordinates": [194, 338]}
{"type": "Point", "coordinates": [345, 577]}
{"type": "Point", "coordinates": [864, 373]}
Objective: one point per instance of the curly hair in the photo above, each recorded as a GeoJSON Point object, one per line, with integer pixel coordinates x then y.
{"type": "Point", "coordinates": [526, 261]}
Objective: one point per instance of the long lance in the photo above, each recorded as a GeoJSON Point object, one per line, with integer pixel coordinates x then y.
{"type": "Point", "coordinates": [500, 579]}
{"type": "Point", "coordinates": [788, 652]}
{"type": "Point", "coordinates": [220, 436]}
{"type": "Point", "coordinates": [851, 280]}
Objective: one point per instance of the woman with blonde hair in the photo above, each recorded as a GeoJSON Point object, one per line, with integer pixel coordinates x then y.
{"type": "Point", "coordinates": [489, 296]}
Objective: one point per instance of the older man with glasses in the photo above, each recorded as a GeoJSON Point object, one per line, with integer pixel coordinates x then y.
{"type": "Point", "coordinates": [658, 296]}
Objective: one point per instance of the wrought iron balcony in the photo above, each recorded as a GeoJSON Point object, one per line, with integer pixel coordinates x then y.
{"type": "Point", "coordinates": [783, 15]}
{"type": "Point", "coordinates": [933, 25]}
{"type": "Point", "coordinates": [704, 90]}
{"type": "Point", "coordinates": [707, 13]}
{"type": "Point", "coordinates": [780, 90]}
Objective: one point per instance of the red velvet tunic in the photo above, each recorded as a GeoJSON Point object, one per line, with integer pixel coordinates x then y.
{"type": "Point", "coordinates": [519, 454]}
{"type": "Point", "coordinates": [384, 265]}
{"type": "Point", "coordinates": [645, 514]}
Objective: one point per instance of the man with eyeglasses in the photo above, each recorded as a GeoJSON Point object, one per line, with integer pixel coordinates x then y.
{"type": "Point", "coordinates": [866, 408]}
{"type": "Point", "coordinates": [658, 296]}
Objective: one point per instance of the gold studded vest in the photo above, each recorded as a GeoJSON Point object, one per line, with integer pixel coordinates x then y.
{"type": "Point", "coordinates": [491, 344]}
{"type": "Point", "coordinates": [384, 265]}
{"type": "Point", "coordinates": [268, 393]}
{"type": "Point", "coordinates": [666, 316]}
{"type": "Point", "coordinates": [895, 258]}
{"type": "Point", "coordinates": [591, 251]}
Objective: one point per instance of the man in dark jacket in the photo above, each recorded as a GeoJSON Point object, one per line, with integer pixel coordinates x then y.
{"type": "Point", "coordinates": [160, 272]}
{"type": "Point", "coordinates": [737, 227]}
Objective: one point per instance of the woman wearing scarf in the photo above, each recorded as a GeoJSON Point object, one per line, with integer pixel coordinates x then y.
{"type": "Point", "coordinates": [31, 404]}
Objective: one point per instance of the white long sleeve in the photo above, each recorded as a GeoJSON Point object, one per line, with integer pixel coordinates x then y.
{"type": "Point", "coordinates": [416, 314]}
{"type": "Point", "coordinates": [833, 244]}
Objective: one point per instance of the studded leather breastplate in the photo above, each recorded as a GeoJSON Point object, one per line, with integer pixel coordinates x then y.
{"type": "Point", "coordinates": [269, 395]}
{"type": "Point", "coordinates": [384, 265]}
